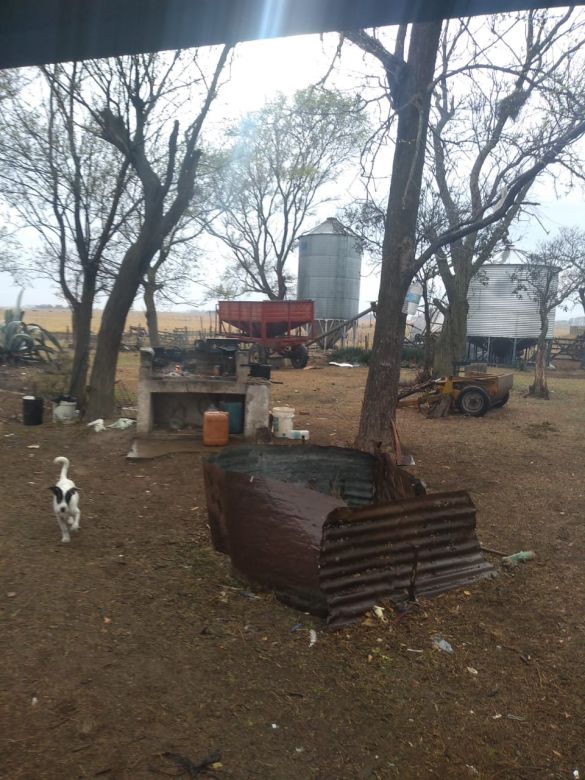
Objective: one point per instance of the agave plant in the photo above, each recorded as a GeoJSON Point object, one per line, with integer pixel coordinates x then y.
{"type": "Point", "coordinates": [20, 340]}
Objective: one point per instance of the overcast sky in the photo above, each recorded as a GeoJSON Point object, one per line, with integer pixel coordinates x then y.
{"type": "Point", "coordinates": [262, 68]}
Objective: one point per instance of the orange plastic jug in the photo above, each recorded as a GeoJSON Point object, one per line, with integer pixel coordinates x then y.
{"type": "Point", "coordinates": [216, 428]}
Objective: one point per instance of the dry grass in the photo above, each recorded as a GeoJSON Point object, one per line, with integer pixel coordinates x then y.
{"type": "Point", "coordinates": [59, 320]}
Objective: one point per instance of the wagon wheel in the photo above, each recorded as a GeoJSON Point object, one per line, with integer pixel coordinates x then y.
{"type": "Point", "coordinates": [473, 401]}
{"type": "Point", "coordinates": [257, 354]}
{"type": "Point", "coordinates": [299, 356]}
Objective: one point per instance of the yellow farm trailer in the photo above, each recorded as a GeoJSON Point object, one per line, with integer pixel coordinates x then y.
{"type": "Point", "coordinates": [473, 394]}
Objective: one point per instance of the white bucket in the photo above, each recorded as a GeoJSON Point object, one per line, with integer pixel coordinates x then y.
{"type": "Point", "coordinates": [65, 412]}
{"type": "Point", "coordinates": [282, 421]}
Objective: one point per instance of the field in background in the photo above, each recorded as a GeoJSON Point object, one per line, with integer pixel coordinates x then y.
{"type": "Point", "coordinates": [59, 320]}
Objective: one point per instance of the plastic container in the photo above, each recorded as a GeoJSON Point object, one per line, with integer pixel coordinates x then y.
{"type": "Point", "coordinates": [300, 434]}
{"type": "Point", "coordinates": [235, 409]}
{"type": "Point", "coordinates": [216, 428]}
{"type": "Point", "coordinates": [282, 421]}
{"type": "Point", "coordinates": [519, 557]}
{"type": "Point", "coordinates": [32, 410]}
{"type": "Point", "coordinates": [65, 412]}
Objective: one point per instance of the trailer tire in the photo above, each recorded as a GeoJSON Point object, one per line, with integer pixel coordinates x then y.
{"type": "Point", "coordinates": [299, 356]}
{"type": "Point", "coordinates": [473, 401]}
{"type": "Point", "coordinates": [257, 354]}
{"type": "Point", "coordinates": [502, 402]}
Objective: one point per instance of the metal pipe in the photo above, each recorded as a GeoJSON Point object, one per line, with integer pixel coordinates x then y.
{"type": "Point", "coordinates": [344, 324]}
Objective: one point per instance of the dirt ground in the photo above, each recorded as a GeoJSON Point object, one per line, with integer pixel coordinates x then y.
{"type": "Point", "coordinates": [135, 639]}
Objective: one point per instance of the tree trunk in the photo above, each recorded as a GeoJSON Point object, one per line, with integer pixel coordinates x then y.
{"type": "Point", "coordinates": [451, 344]}
{"type": "Point", "coordinates": [101, 401]}
{"type": "Point", "coordinates": [74, 322]}
{"type": "Point", "coordinates": [79, 369]}
{"type": "Point", "coordinates": [539, 387]}
{"type": "Point", "coordinates": [398, 251]}
{"type": "Point", "coordinates": [427, 368]}
{"type": "Point", "coordinates": [151, 313]}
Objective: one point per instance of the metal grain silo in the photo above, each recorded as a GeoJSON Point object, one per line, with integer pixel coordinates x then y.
{"type": "Point", "coordinates": [330, 261]}
{"type": "Point", "coordinates": [502, 322]}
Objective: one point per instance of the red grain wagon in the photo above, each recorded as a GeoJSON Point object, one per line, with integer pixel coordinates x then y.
{"type": "Point", "coordinates": [268, 326]}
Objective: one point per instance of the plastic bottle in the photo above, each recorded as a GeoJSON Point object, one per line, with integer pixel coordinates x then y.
{"type": "Point", "coordinates": [519, 557]}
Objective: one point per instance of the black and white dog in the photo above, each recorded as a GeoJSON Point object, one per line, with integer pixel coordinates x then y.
{"type": "Point", "coordinates": [65, 501]}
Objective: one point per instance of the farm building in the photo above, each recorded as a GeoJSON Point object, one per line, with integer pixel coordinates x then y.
{"type": "Point", "coordinates": [503, 322]}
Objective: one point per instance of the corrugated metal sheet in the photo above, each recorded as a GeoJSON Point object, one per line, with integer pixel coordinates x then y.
{"type": "Point", "coordinates": [267, 505]}
{"type": "Point", "coordinates": [495, 310]}
{"type": "Point", "coordinates": [285, 518]}
{"type": "Point", "coordinates": [370, 553]}
{"type": "Point", "coordinates": [272, 532]}
{"type": "Point", "coordinates": [330, 262]}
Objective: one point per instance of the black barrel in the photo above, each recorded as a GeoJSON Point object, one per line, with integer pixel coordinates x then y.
{"type": "Point", "coordinates": [32, 410]}
{"type": "Point", "coordinates": [260, 370]}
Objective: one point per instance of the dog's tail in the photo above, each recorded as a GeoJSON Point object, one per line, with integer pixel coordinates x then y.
{"type": "Point", "coordinates": [64, 466]}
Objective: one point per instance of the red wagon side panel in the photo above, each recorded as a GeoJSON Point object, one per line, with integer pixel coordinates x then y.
{"type": "Point", "coordinates": [266, 319]}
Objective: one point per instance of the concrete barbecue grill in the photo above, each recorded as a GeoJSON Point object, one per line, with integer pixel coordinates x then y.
{"type": "Point", "coordinates": [176, 387]}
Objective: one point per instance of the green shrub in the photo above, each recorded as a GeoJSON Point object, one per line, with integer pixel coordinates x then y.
{"type": "Point", "coordinates": [411, 353]}
{"type": "Point", "coordinates": [351, 355]}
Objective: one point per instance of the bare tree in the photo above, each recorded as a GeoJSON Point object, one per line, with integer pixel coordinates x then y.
{"type": "Point", "coordinates": [61, 182]}
{"type": "Point", "coordinates": [11, 81]}
{"type": "Point", "coordinates": [410, 85]}
{"type": "Point", "coordinates": [169, 275]}
{"type": "Point", "coordinates": [175, 267]}
{"type": "Point", "coordinates": [581, 293]}
{"type": "Point", "coordinates": [549, 277]}
{"type": "Point", "coordinates": [134, 102]}
{"type": "Point", "coordinates": [152, 286]}
{"type": "Point", "coordinates": [9, 251]}
{"type": "Point", "coordinates": [273, 178]}
{"type": "Point", "coordinates": [499, 110]}
{"type": "Point", "coordinates": [427, 278]}
{"type": "Point", "coordinates": [578, 247]}
{"type": "Point", "coordinates": [367, 219]}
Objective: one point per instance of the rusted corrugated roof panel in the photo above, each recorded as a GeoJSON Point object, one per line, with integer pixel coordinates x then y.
{"type": "Point", "coordinates": [370, 553]}
{"type": "Point", "coordinates": [333, 530]}
{"type": "Point", "coordinates": [272, 532]}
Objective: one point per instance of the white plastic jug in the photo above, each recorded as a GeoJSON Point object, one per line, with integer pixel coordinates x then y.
{"type": "Point", "coordinates": [282, 421]}
{"type": "Point", "coordinates": [65, 412]}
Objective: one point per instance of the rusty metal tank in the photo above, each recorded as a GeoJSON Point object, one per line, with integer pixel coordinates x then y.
{"type": "Point", "coordinates": [332, 530]}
